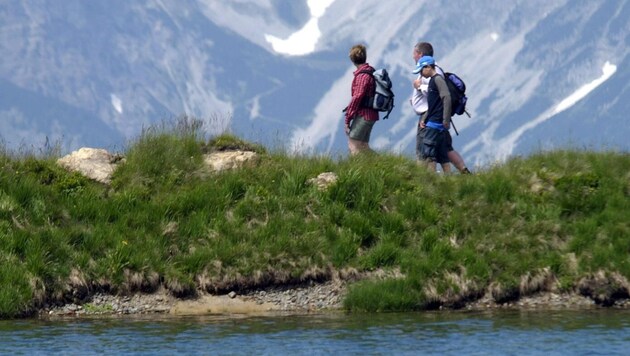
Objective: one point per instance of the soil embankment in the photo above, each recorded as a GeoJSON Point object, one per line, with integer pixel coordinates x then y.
{"type": "Point", "coordinates": [297, 299]}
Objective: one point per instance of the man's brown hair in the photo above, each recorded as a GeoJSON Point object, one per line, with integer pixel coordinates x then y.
{"type": "Point", "coordinates": [358, 54]}
{"type": "Point", "coordinates": [425, 48]}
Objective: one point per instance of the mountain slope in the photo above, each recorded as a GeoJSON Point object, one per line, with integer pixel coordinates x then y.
{"type": "Point", "coordinates": [116, 67]}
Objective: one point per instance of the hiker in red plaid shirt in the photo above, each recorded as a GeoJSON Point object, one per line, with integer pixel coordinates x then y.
{"type": "Point", "coordinates": [359, 118]}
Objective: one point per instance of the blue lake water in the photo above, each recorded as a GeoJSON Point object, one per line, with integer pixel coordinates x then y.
{"type": "Point", "coordinates": [584, 332]}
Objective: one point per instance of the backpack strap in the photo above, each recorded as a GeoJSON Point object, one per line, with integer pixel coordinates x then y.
{"type": "Point", "coordinates": [368, 72]}
{"type": "Point", "coordinates": [388, 112]}
{"type": "Point", "coordinates": [366, 102]}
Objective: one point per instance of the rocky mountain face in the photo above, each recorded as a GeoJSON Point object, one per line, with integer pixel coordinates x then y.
{"type": "Point", "coordinates": [540, 74]}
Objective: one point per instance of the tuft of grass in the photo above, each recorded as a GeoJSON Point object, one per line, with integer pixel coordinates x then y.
{"type": "Point", "coordinates": [228, 142]}
{"type": "Point", "coordinates": [98, 309]}
{"type": "Point", "coordinates": [162, 157]}
{"type": "Point", "coordinates": [16, 294]}
{"type": "Point", "coordinates": [384, 296]}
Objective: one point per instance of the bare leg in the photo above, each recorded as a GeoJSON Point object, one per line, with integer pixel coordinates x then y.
{"type": "Point", "coordinates": [457, 161]}
{"type": "Point", "coordinates": [357, 146]}
{"type": "Point", "coordinates": [353, 146]}
{"type": "Point", "coordinates": [365, 146]}
{"type": "Point", "coordinates": [446, 167]}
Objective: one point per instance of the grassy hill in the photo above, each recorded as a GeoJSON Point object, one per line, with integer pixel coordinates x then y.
{"type": "Point", "coordinates": [554, 220]}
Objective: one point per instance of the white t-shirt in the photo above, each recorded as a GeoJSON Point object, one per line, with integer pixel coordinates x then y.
{"type": "Point", "coordinates": [419, 100]}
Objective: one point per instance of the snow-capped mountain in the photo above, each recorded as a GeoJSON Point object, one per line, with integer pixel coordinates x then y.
{"type": "Point", "coordinates": [540, 73]}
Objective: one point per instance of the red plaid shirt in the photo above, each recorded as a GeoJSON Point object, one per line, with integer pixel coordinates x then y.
{"type": "Point", "coordinates": [363, 85]}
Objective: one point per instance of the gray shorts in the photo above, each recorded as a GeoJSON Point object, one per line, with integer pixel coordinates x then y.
{"type": "Point", "coordinates": [435, 146]}
{"type": "Point", "coordinates": [420, 141]}
{"type": "Point", "coordinates": [360, 129]}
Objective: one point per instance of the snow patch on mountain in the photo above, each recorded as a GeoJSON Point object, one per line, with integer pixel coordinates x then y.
{"type": "Point", "coordinates": [506, 145]}
{"type": "Point", "coordinates": [304, 40]}
{"type": "Point", "coordinates": [327, 117]}
{"type": "Point", "coordinates": [117, 103]}
{"type": "Point", "coordinates": [608, 70]}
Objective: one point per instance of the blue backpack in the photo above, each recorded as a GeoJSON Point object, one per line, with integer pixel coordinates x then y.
{"type": "Point", "coordinates": [457, 89]}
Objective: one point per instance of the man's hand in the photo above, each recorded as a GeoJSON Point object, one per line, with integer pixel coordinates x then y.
{"type": "Point", "coordinates": [417, 83]}
{"type": "Point", "coordinates": [423, 124]}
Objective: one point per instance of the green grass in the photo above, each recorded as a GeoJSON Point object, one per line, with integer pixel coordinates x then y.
{"type": "Point", "coordinates": [167, 220]}
{"type": "Point", "coordinates": [98, 309]}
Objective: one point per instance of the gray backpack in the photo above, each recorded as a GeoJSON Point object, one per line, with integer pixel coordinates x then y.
{"type": "Point", "coordinates": [383, 99]}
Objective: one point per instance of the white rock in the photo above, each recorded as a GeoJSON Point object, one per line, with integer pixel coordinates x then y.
{"type": "Point", "coordinates": [94, 163]}
{"type": "Point", "coordinates": [228, 159]}
{"type": "Point", "coordinates": [324, 180]}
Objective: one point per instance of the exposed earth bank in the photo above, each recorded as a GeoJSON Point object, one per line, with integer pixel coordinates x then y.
{"type": "Point", "coordinates": [316, 297]}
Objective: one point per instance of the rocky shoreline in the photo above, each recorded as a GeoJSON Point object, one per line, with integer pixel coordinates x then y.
{"type": "Point", "coordinates": [294, 299]}
{"type": "Point", "coordinates": [315, 297]}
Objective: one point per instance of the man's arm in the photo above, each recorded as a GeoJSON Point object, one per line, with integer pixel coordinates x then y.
{"type": "Point", "coordinates": [445, 95]}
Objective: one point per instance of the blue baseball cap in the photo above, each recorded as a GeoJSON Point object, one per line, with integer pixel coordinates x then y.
{"type": "Point", "coordinates": [423, 62]}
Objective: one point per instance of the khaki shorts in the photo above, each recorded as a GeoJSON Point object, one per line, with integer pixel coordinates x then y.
{"type": "Point", "coordinates": [360, 129]}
